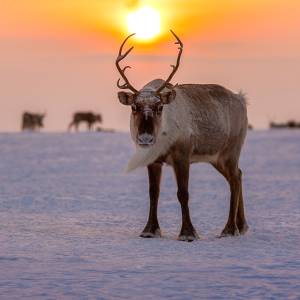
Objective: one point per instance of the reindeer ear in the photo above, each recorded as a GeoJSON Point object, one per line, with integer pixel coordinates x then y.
{"type": "Point", "coordinates": [168, 97]}
{"type": "Point", "coordinates": [126, 98]}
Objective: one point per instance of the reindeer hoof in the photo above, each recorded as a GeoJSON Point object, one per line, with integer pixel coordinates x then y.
{"type": "Point", "coordinates": [230, 231]}
{"type": "Point", "coordinates": [149, 235]}
{"type": "Point", "coordinates": [243, 228]}
{"type": "Point", "coordinates": [188, 237]}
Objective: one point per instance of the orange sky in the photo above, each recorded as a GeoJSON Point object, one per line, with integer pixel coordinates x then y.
{"type": "Point", "coordinates": [58, 55]}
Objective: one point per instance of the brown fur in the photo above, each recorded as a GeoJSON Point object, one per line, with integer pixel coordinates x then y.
{"type": "Point", "coordinates": [87, 117]}
{"type": "Point", "coordinates": [32, 121]}
{"type": "Point", "coordinates": [214, 132]}
{"type": "Point", "coordinates": [180, 125]}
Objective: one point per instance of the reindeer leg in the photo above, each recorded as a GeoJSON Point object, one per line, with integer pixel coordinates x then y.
{"type": "Point", "coordinates": [70, 126]}
{"type": "Point", "coordinates": [241, 220]}
{"type": "Point", "coordinates": [152, 228]}
{"type": "Point", "coordinates": [181, 167]}
{"type": "Point", "coordinates": [233, 176]}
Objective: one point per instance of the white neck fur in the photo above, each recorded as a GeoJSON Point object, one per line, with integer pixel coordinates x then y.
{"type": "Point", "coordinates": [172, 126]}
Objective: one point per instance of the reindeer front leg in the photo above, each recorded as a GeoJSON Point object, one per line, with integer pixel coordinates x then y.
{"type": "Point", "coordinates": [152, 228]}
{"type": "Point", "coordinates": [181, 167]}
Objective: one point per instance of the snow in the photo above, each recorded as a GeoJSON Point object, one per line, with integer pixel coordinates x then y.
{"type": "Point", "coordinates": [70, 220]}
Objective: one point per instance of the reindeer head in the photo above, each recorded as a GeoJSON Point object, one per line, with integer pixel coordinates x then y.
{"type": "Point", "coordinates": [146, 104]}
{"type": "Point", "coordinates": [40, 120]}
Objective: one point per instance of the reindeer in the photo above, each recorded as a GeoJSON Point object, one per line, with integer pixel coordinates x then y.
{"type": "Point", "coordinates": [32, 121]}
{"type": "Point", "coordinates": [87, 117]}
{"type": "Point", "coordinates": [184, 124]}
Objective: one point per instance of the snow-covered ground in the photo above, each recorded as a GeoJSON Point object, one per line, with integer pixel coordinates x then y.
{"type": "Point", "coordinates": [70, 219]}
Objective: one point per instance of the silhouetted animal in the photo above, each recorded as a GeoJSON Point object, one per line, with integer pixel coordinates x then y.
{"type": "Point", "coordinates": [88, 117]}
{"type": "Point", "coordinates": [289, 124]}
{"type": "Point", "coordinates": [32, 121]}
{"type": "Point", "coordinates": [184, 124]}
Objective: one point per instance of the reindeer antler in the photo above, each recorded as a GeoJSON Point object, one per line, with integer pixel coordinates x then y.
{"type": "Point", "coordinates": [120, 57]}
{"type": "Point", "coordinates": [180, 48]}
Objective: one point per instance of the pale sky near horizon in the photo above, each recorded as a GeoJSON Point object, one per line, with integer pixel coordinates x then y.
{"type": "Point", "coordinates": [57, 56]}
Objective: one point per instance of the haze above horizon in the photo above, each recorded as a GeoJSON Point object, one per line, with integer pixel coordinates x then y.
{"type": "Point", "coordinates": [58, 56]}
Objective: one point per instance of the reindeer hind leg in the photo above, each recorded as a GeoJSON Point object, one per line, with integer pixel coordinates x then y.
{"type": "Point", "coordinates": [236, 223]}
{"type": "Point", "coordinates": [241, 220]}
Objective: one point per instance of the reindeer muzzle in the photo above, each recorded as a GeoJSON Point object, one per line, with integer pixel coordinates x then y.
{"type": "Point", "coordinates": [145, 139]}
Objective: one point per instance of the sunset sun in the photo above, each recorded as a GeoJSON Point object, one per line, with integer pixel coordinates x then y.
{"type": "Point", "coordinates": [145, 22]}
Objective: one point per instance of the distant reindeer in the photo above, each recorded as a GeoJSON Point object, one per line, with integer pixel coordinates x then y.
{"type": "Point", "coordinates": [291, 124]}
{"type": "Point", "coordinates": [87, 117]}
{"type": "Point", "coordinates": [184, 124]}
{"type": "Point", "coordinates": [32, 121]}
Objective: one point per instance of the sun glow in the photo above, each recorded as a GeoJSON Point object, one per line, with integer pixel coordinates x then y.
{"type": "Point", "coordinates": [145, 22]}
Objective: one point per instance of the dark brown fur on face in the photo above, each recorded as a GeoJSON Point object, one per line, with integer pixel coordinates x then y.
{"type": "Point", "coordinates": [86, 117]}
{"type": "Point", "coordinates": [147, 108]}
{"type": "Point", "coordinates": [147, 119]}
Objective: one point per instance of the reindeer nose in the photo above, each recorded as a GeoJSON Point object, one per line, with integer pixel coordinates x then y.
{"type": "Point", "coordinates": [148, 114]}
{"type": "Point", "coordinates": [145, 139]}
